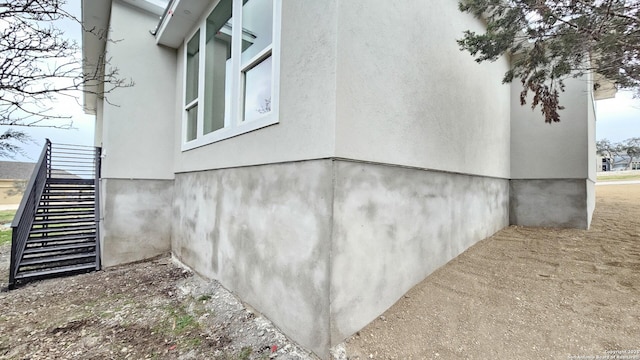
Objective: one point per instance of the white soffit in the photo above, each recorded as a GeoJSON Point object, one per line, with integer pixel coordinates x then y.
{"type": "Point", "coordinates": [95, 18]}
{"type": "Point", "coordinates": [153, 6]}
{"type": "Point", "coordinates": [180, 17]}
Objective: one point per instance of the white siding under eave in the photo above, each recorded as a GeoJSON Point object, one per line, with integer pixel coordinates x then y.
{"type": "Point", "coordinates": [408, 95]}
{"type": "Point", "coordinates": [138, 121]}
{"type": "Point", "coordinates": [552, 151]}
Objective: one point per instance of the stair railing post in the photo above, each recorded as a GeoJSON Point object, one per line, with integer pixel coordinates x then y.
{"type": "Point", "coordinates": [48, 159]}
{"type": "Point", "coordinates": [14, 261]}
{"type": "Point", "coordinates": [45, 198]}
{"type": "Point", "coordinates": [96, 194]}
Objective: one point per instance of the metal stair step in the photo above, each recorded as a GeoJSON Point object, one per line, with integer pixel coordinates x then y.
{"type": "Point", "coordinates": [70, 201]}
{"type": "Point", "coordinates": [73, 220]}
{"type": "Point", "coordinates": [70, 189]}
{"type": "Point", "coordinates": [69, 180]}
{"type": "Point", "coordinates": [62, 229]}
{"type": "Point", "coordinates": [80, 210]}
{"type": "Point", "coordinates": [65, 214]}
{"type": "Point", "coordinates": [48, 241]}
{"type": "Point", "coordinates": [69, 206]}
{"type": "Point", "coordinates": [69, 186]}
{"type": "Point", "coordinates": [55, 271]}
{"type": "Point", "coordinates": [57, 221]}
{"type": "Point", "coordinates": [56, 258]}
{"type": "Point", "coordinates": [70, 192]}
{"type": "Point", "coordinates": [64, 247]}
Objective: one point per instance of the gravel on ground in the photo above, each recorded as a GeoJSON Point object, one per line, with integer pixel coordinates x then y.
{"type": "Point", "coordinates": [526, 293]}
{"type": "Point", "coordinates": [148, 310]}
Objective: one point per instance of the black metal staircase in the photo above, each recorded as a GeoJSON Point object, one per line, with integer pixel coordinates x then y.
{"type": "Point", "coordinates": [56, 228]}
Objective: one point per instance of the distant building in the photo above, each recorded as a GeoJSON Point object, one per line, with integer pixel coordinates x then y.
{"type": "Point", "coordinates": [619, 163]}
{"type": "Point", "coordinates": [13, 179]}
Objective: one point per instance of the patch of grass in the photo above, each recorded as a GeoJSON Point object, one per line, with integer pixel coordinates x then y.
{"type": "Point", "coordinates": [106, 314]}
{"type": "Point", "coordinates": [192, 343]}
{"type": "Point", "coordinates": [245, 353]}
{"type": "Point", "coordinates": [5, 236]}
{"type": "Point", "coordinates": [203, 298]}
{"type": "Point", "coordinates": [178, 321]}
{"type": "Point", "coordinates": [618, 177]}
{"type": "Point", "coordinates": [6, 216]}
{"type": "Point", "coordinates": [184, 322]}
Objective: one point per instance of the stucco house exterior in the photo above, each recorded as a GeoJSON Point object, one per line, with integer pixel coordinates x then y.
{"type": "Point", "coordinates": [320, 158]}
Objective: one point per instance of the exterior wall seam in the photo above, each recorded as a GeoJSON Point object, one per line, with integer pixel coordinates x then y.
{"type": "Point", "coordinates": [140, 179]}
{"type": "Point", "coordinates": [547, 178]}
{"type": "Point", "coordinates": [334, 180]}
{"type": "Point", "coordinates": [335, 158]}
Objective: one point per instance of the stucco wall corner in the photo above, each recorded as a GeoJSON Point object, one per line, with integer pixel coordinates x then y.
{"type": "Point", "coordinates": [393, 226]}
{"type": "Point", "coordinates": [135, 220]}
{"type": "Point", "coordinates": [563, 203]}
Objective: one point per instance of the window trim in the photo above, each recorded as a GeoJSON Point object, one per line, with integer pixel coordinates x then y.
{"type": "Point", "coordinates": [235, 125]}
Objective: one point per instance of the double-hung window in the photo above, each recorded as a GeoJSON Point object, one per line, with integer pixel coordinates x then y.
{"type": "Point", "coordinates": [231, 71]}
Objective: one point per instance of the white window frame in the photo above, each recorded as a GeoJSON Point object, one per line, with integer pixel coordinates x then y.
{"type": "Point", "coordinates": [235, 124]}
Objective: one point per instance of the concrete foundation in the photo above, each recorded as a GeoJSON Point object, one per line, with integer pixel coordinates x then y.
{"type": "Point", "coordinates": [564, 203]}
{"type": "Point", "coordinates": [264, 233]}
{"type": "Point", "coordinates": [323, 247]}
{"type": "Point", "coordinates": [393, 226]}
{"type": "Point", "coordinates": [135, 219]}
{"type": "Point", "coordinates": [591, 199]}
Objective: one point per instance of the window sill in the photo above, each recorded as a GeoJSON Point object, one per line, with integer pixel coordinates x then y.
{"type": "Point", "coordinates": [229, 132]}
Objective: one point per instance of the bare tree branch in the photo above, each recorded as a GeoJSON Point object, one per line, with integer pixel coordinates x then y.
{"type": "Point", "coordinates": [38, 63]}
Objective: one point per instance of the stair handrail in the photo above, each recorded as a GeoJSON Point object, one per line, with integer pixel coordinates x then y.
{"type": "Point", "coordinates": [96, 185]}
{"type": "Point", "coordinates": [23, 220]}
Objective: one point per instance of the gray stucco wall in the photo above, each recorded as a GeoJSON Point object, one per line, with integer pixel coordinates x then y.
{"type": "Point", "coordinates": [393, 226]}
{"type": "Point", "coordinates": [407, 95]}
{"type": "Point", "coordinates": [323, 247]}
{"type": "Point", "coordinates": [553, 164]}
{"type": "Point", "coordinates": [136, 221]}
{"type": "Point", "coordinates": [264, 233]}
{"type": "Point", "coordinates": [552, 151]}
{"type": "Point", "coordinates": [137, 122]}
{"type": "Point", "coordinates": [564, 203]}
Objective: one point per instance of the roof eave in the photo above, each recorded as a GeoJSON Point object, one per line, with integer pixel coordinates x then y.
{"type": "Point", "coordinates": [179, 17]}
{"type": "Point", "coordinates": [95, 21]}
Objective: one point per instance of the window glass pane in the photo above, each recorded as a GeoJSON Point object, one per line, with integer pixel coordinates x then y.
{"type": "Point", "coordinates": [192, 123]}
{"type": "Point", "coordinates": [257, 25]}
{"type": "Point", "coordinates": [193, 54]}
{"type": "Point", "coordinates": [257, 90]}
{"type": "Point", "coordinates": [217, 75]}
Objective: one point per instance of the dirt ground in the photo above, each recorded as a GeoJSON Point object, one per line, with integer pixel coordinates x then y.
{"type": "Point", "coordinates": [149, 310]}
{"type": "Point", "coordinates": [526, 293]}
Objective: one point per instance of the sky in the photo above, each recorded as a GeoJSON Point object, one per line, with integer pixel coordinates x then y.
{"type": "Point", "coordinates": [82, 129]}
{"type": "Point", "coordinates": [617, 119]}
